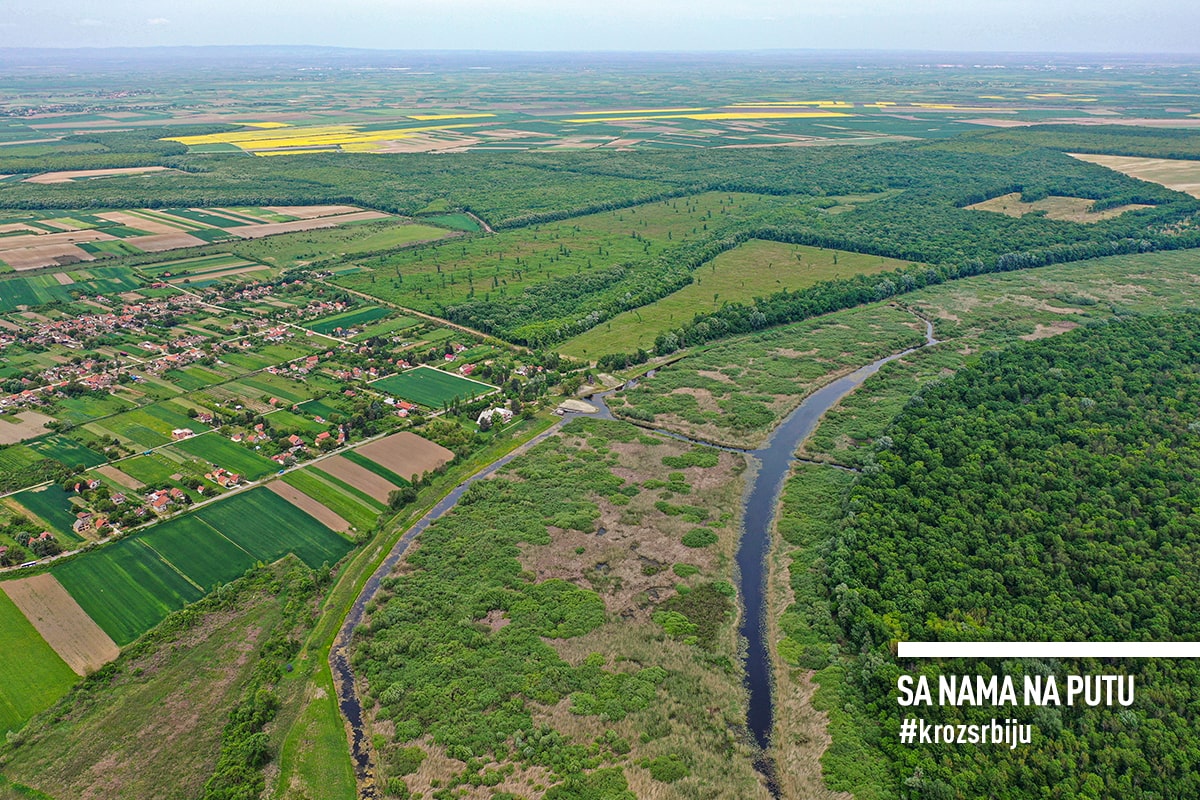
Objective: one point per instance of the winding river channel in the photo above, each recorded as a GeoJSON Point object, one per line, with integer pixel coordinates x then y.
{"type": "Point", "coordinates": [775, 461]}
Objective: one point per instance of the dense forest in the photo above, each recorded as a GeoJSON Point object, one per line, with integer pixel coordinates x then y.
{"type": "Point", "coordinates": [1045, 493]}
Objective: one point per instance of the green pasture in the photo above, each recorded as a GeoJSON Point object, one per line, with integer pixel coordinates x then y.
{"type": "Point", "coordinates": [430, 387]}
{"type": "Point", "coordinates": [216, 449]}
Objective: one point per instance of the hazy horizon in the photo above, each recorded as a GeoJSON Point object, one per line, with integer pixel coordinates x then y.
{"type": "Point", "coordinates": [959, 26]}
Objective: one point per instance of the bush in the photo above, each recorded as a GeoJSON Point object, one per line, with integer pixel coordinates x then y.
{"type": "Point", "coordinates": [699, 537]}
{"type": "Point", "coordinates": [667, 769]}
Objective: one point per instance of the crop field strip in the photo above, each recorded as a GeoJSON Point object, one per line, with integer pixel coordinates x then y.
{"type": "Point", "coordinates": [347, 487]}
{"type": "Point", "coordinates": [354, 457]}
{"type": "Point", "coordinates": [308, 505]}
{"type": "Point", "coordinates": [269, 527]}
{"type": "Point", "coordinates": [199, 551]}
{"type": "Point", "coordinates": [126, 587]}
{"type": "Point", "coordinates": [67, 451]}
{"type": "Point", "coordinates": [357, 511]}
{"type": "Point", "coordinates": [52, 505]}
{"type": "Point", "coordinates": [61, 621]}
{"type": "Point", "coordinates": [348, 319]}
{"type": "Point", "coordinates": [405, 453]}
{"type": "Point", "coordinates": [367, 481]}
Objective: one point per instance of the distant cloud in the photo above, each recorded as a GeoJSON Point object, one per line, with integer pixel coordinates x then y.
{"type": "Point", "coordinates": [88, 22]}
{"type": "Point", "coordinates": [158, 21]}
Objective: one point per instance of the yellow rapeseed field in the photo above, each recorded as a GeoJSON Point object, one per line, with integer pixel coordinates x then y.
{"type": "Point", "coordinates": [316, 136]}
{"type": "Point", "coordinates": [719, 115]}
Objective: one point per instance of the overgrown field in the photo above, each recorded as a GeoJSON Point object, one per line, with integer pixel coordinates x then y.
{"type": "Point", "coordinates": [735, 392]}
{"type": "Point", "coordinates": [569, 618]}
{"type": "Point", "coordinates": [196, 672]}
{"type": "Point", "coordinates": [988, 312]}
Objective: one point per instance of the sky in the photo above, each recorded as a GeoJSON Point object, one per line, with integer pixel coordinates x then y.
{"type": "Point", "coordinates": [1112, 26]}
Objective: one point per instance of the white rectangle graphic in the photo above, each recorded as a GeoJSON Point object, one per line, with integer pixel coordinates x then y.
{"type": "Point", "coordinates": [1048, 650]}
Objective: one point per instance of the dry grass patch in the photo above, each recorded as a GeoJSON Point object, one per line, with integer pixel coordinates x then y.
{"type": "Point", "coordinates": [1177, 174]}
{"type": "Point", "coordinates": [1041, 331]}
{"type": "Point", "coordinates": [1067, 209]}
{"type": "Point", "coordinates": [29, 425]}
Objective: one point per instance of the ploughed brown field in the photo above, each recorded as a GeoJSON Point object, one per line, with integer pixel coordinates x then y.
{"type": "Point", "coordinates": [407, 454]}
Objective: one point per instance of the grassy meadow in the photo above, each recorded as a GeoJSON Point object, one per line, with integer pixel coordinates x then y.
{"type": "Point", "coordinates": [754, 269]}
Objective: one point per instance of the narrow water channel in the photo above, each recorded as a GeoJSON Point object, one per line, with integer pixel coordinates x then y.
{"type": "Point", "coordinates": [774, 462]}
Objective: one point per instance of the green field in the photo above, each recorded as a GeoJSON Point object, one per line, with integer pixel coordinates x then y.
{"type": "Point", "coordinates": [268, 527]}
{"type": "Point", "coordinates": [82, 409]}
{"type": "Point", "coordinates": [188, 266]}
{"type": "Point", "coordinates": [430, 387]}
{"type": "Point", "coordinates": [345, 240]}
{"type": "Point", "coordinates": [499, 267]}
{"type": "Point", "coordinates": [36, 290]}
{"type": "Point", "coordinates": [125, 587]}
{"type": "Point", "coordinates": [756, 268]}
{"type": "Point", "coordinates": [320, 408]}
{"type": "Point", "coordinates": [67, 451]}
{"type": "Point", "coordinates": [150, 426]}
{"type": "Point", "coordinates": [33, 676]}
{"type": "Point", "coordinates": [388, 326]}
{"type": "Point", "coordinates": [287, 419]}
{"type": "Point", "coordinates": [271, 385]}
{"type": "Point", "coordinates": [461, 222]}
{"type": "Point", "coordinates": [53, 505]}
{"type": "Point", "coordinates": [216, 449]}
{"type": "Point", "coordinates": [16, 457]}
{"type": "Point", "coordinates": [197, 550]}
{"type": "Point", "coordinates": [152, 470]}
{"type": "Point", "coordinates": [203, 217]}
{"type": "Point", "coordinates": [348, 319]}
{"type": "Point", "coordinates": [349, 507]}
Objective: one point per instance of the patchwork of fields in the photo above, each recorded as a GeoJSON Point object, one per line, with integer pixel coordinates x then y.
{"type": "Point", "coordinates": [73, 618]}
{"type": "Point", "coordinates": [50, 239]}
